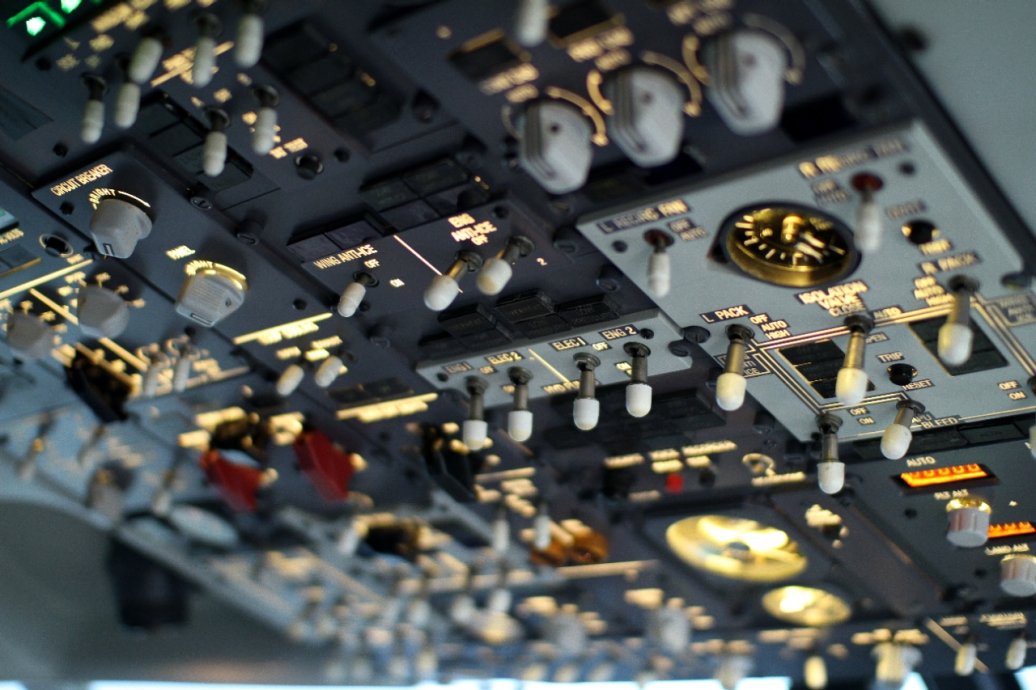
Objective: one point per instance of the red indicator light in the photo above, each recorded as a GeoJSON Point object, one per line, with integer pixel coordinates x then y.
{"type": "Point", "coordinates": [1011, 529]}
{"type": "Point", "coordinates": [944, 475]}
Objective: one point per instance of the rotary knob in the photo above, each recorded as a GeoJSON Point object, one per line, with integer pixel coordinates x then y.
{"type": "Point", "coordinates": [968, 523]}
{"type": "Point", "coordinates": [1018, 575]}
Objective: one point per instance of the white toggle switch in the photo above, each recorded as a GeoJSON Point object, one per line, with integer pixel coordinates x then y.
{"type": "Point", "coordinates": [541, 532]}
{"type": "Point", "coordinates": [497, 271]}
{"type": "Point", "coordinates": [101, 313]}
{"type": "Point", "coordinates": [462, 609]}
{"type": "Point", "coordinates": [851, 384]}
{"type": "Point", "coordinates": [93, 112]}
{"type": "Point", "coordinates": [328, 371]}
{"type": "Point", "coordinates": [670, 628]}
{"type": "Point", "coordinates": [830, 470]}
{"type": "Point", "coordinates": [895, 442]}
{"type": "Point", "coordinates": [248, 47]}
{"type": "Point", "coordinates": [746, 79]}
{"type": "Point", "coordinates": [647, 115]}
{"type": "Point", "coordinates": [659, 273]}
{"type": "Point", "coordinates": [638, 392]}
{"type": "Point", "coordinates": [895, 662]}
{"type": "Point", "coordinates": [444, 288]}
{"type": "Point", "coordinates": [214, 153]}
{"type": "Point", "coordinates": [116, 227]}
{"type": "Point", "coordinates": [153, 375]}
{"type": "Point", "coordinates": [264, 129]}
{"type": "Point", "coordinates": [814, 672]}
{"type": "Point", "coordinates": [127, 105]}
{"type": "Point", "coordinates": [869, 226]}
{"type": "Point", "coordinates": [587, 409]}
{"type": "Point", "coordinates": [964, 664]}
{"type": "Point", "coordinates": [145, 59]}
{"type": "Point", "coordinates": [474, 430]}
{"type": "Point", "coordinates": [732, 669]}
{"type": "Point", "coordinates": [1018, 575]}
{"type": "Point", "coordinates": [500, 531]}
{"type": "Point", "coordinates": [418, 613]}
{"type": "Point", "coordinates": [211, 294]}
{"type": "Point", "coordinates": [28, 337]}
{"type": "Point", "coordinates": [209, 27]}
{"type": "Point", "coordinates": [289, 380]}
{"type": "Point", "coordinates": [955, 336]}
{"type": "Point", "coordinates": [499, 600]}
{"type": "Point", "coordinates": [1016, 652]}
{"type": "Point", "coordinates": [353, 295]}
{"type": "Point", "coordinates": [183, 366]}
{"type": "Point", "coordinates": [474, 433]}
{"type": "Point", "coordinates": [530, 22]}
{"type": "Point", "coordinates": [731, 384]}
{"type": "Point", "coordinates": [519, 419]}
{"type": "Point", "coordinates": [555, 147]}
{"type": "Point", "coordinates": [968, 525]}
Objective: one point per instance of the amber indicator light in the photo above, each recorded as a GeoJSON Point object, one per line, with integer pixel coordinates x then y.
{"type": "Point", "coordinates": [944, 475]}
{"type": "Point", "coordinates": [1011, 529]}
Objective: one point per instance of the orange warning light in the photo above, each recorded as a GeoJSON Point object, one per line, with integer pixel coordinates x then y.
{"type": "Point", "coordinates": [1011, 529]}
{"type": "Point", "coordinates": [944, 475]}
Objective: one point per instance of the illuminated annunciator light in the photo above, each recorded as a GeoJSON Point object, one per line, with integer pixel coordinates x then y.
{"type": "Point", "coordinates": [1018, 575]}
{"type": "Point", "coordinates": [587, 409]}
{"type": "Point", "coordinates": [731, 384]}
{"type": "Point", "coordinates": [264, 129]}
{"type": "Point", "coordinates": [555, 145]}
{"type": "Point", "coordinates": [955, 336]}
{"type": "Point", "coordinates": [475, 429]}
{"type": "Point", "coordinates": [659, 270]}
{"type": "Point", "coordinates": [851, 384]}
{"type": "Point", "coordinates": [354, 293]}
{"type": "Point", "coordinates": [497, 271]}
{"type": "Point", "coordinates": [1016, 651]}
{"type": "Point", "coordinates": [209, 27]}
{"type": "Point", "coordinates": [746, 79]}
{"type": "Point", "coordinates": [968, 522]}
{"type": "Point", "coordinates": [444, 288]}
{"type": "Point", "coordinates": [519, 419]}
{"type": "Point", "coordinates": [638, 392]}
{"type": "Point", "coordinates": [647, 115]}
{"type": "Point", "coordinates": [248, 47]}
{"type": "Point", "coordinates": [964, 663]}
{"type": "Point", "coordinates": [93, 112]}
{"type": "Point", "coordinates": [814, 672]}
{"type": "Point", "coordinates": [869, 226]}
{"type": "Point", "coordinates": [530, 22]}
{"type": "Point", "coordinates": [895, 442]}
{"type": "Point", "coordinates": [894, 663]}
{"type": "Point", "coordinates": [214, 152]}
{"type": "Point", "coordinates": [830, 470]}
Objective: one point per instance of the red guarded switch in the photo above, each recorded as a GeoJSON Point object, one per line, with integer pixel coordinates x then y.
{"type": "Point", "coordinates": [326, 465]}
{"type": "Point", "coordinates": [237, 483]}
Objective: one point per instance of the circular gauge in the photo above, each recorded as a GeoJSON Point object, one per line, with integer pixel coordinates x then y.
{"type": "Point", "coordinates": [788, 245]}
{"type": "Point", "coordinates": [807, 606]}
{"type": "Point", "coordinates": [736, 548]}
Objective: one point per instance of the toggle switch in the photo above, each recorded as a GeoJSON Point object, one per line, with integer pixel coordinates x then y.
{"type": "Point", "coordinates": [1016, 652]}
{"type": "Point", "coordinates": [895, 662]}
{"type": "Point", "coordinates": [587, 409]}
{"type": "Point", "coordinates": [964, 663]}
{"type": "Point", "coordinates": [101, 313]}
{"type": "Point", "coordinates": [519, 419]}
{"type": "Point", "coordinates": [353, 295]}
{"type": "Point", "coordinates": [895, 442]}
{"type": "Point", "coordinates": [127, 104]}
{"type": "Point", "coordinates": [264, 129]}
{"type": "Point", "coordinates": [746, 79]}
{"type": "Point", "coordinates": [638, 392]}
{"type": "Point", "coordinates": [328, 371]}
{"type": "Point", "coordinates": [869, 227]}
{"type": "Point", "coordinates": [955, 336]}
{"type": "Point", "coordinates": [209, 27]}
{"type": "Point", "coordinates": [555, 146]}
{"type": "Point", "coordinates": [497, 271]}
{"type": "Point", "coordinates": [248, 47]}
{"type": "Point", "coordinates": [145, 57]}
{"type": "Point", "coordinates": [541, 532]}
{"type": "Point", "coordinates": [814, 672]}
{"type": "Point", "coordinates": [474, 428]}
{"type": "Point", "coordinates": [212, 293]}
{"type": "Point", "coordinates": [214, 152]}
{"type": "Point", "coordinates": [290, 379]}
{"type": "Point", "coordinates": [731, 384]}
{"type": "Point", "coordinates": [851, 384]}
{"type": "Point", "coordinates": [659, 271]}
{"type": "Point", "coordinates": [116, 226]}
{"type": "Point", "coordinates": [670, 628]}
{"type": "Point", "coordinates": [1018, 575]}
{"type": "Point", "coordinates": [647, 115]}
{"type": "Point", "coordinates": [499, 599]}
{"type": "Point", "coordinates": [968, 522]}
{"type": "Point", "coordinates": [93, 112]}
{"type": "Point", "coordinates": [531, 21]}
{"type": "Point", "coordinates": [188, 354]}
{"type": "Point", "coordinates": [444, 288]}
{"type": "Point", "coordinates": [462, 609]}
{"type": "Point", "coordinates": [29, 338]}
{"type": "Point", "coordinates": [830, 470]}
{"type": "Point", "coordinates": [157, 363]}
{"type": "Point", "coordinates": [500, 531]}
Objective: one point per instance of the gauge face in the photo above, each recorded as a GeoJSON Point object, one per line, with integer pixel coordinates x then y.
{"type": "Point", "coordinates": [806, 606]}
{"type": "Point", "coordinates": [736, 548]}
{"type": "Point", "coordinates": [790, 246]}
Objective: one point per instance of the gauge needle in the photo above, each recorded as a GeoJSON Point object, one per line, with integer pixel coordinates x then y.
{"type": "Point", "coordinates": [809, 251]}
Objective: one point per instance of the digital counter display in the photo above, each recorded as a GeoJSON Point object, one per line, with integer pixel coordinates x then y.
{"type": "Point", "coordinates": [1011, 529]}
{"type": "Point", "coordinates": [568, 344]}
{"type": "Point", "coordinates": [945, 475]}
